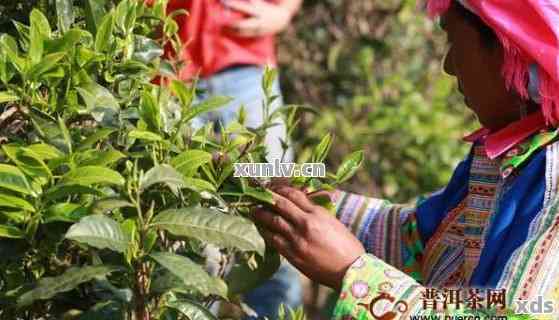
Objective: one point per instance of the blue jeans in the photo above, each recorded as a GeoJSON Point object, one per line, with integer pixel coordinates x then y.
{"type": "Point", "coordinates": [243, 84]}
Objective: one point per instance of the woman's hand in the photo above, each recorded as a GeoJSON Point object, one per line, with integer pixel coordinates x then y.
{"type": "Point", "coordinates": [264, 18]}
{"type": "Point", "coordinates": [309, 236]}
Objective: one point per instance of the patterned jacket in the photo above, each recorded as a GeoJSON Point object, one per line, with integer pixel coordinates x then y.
{"type": "Point", "coordinates": [485, 245]}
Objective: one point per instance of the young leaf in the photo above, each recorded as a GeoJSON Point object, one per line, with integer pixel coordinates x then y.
{"type": "Point", "coordinates": [242, 278]}
{"type": "Point", "coordinates": [15, 203]}
{"type": "Point", "coordinates": [98, 135]}
{"type": "Point", "coordinates": [184, 94]}
{"type": "Point", "coordinates": [349, 166]}
{"type": "Point", "coordinates": [198, 185]}
{"type": "Point", "coordinates": [11, 232]}
{"type": "Point", "coordinates": [13, 179]}
{"type": "Point", "coordinates": [108, 204]}
{"type": "Point", "coordinates": [321, 150]}
{"type": "Point", "coordinates": [144, 135]}
{"type": "Point", "coordinates": [65, 191]}
{"type": "Point", "coordinates": [189, 161]}
{"type": "Point", "coordinates": [162, 174]}
{"type": "Point", "coordinates": [208, 105]}
{"type": "Point", "coordinates": [190, 273]}
{"type": "Point", "coordinates": [191, 310]}
{"type": "Point", "coordinates": [37, 38]}
{"type": "Point", "coordinates": [263, 195]}
{"type": "Point", "coordinates": [94, 13]}
{"type": "Point", "coordinates": [65, 212]}
{"type": "Point", "coordinates": [49, 62]}
{"type": "Point", "coordinates": [104, 33]}
{"type": "Point", "coordinates": [89, 175]}
{"type": "Point", "coordinates": [207, 225]}
{"type": "Point", "coordinates": [8, 96]}
{"type": "Point", "coordinates": [100, 232]}
{"type": "Point", "coordinates": [49, 287]}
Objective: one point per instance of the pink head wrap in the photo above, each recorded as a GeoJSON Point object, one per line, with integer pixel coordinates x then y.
{"type": "Point", "coordinates": [529, 33]}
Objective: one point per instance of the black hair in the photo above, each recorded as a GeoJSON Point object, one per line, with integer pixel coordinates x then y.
{"type": "Point", "coordinates": [488, 36]}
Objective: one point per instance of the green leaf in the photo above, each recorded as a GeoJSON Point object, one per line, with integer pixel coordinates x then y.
{"type": "Point", "coordinates": [15, 202]}
{"type": "Point", "coordinates": [242, 278]}
{"type": "Point", "coordinates": [208, 225]}
{"type": "Point", "coordinates": [108, 204]}
{"type": "Point", "coordinates": [100, 158]}
{"type": "Point", "coordinates": [100, 232]}
{"type": "Point", "coordinates": [146, 49]}
{"type": "Point", "coordinates": [49, 287]}
{"type": "Point", "coordinates": [263, 195]}
{"type": "Point", "coordinates": [198, 185]}
{"type": "Point", "coordinates": [189, 161]}
{"type": "Point", "coordinates": [144, 135]}
{"type": "Point", "coordinates": [149, 111]}
{"type": "Point", "coordinates": [11, 232]}
{"type": "Point", "coordinates": [65, 212]}
{"type": "Point", "coordinates": [98, 135]}
{"type": "Point", "coordinates": [184, 94]}
{"type": "Point", "coordinates": [65, 14]}
{"type": "Point", "coordinates": [321, 150]}
{"type": "Point", "coordinates": [39, 20]}
{"type": "Point", "coordinates": [192, 310]}
{"type": "Point", "coordinates": [13, 179]}
{"type": "Point", "coordinates": [10, 48]}
{"type": "Point", "coordinates": [36, 43]}
{"type": "Point", "coordinates": [207, 105]}
{"type": "Point", "coordinates": [89, 175]}
{"type": "Point", "coordinates": [65, 191]}
{"type": "Point", "coordinates": [45, 151]}
{"type": "Point", "coordinates": [94, 12]}
{"type": "Point", "coordinates": [8, 96]}
{"type": "Point", "coordinates": [349, 166]}
{"type": "Point", "coordinates": [100, 102]}
{"type": "Point", "coordinates": [48, 63]}
{"type": "Point", "coordinates": [162, 174]}
{"type": "Point", "coordinates": [104, 34]}
{"type": "Point", "coordinates": [67, 41]}
{"type": "Point", "coordinates": [190, 273]}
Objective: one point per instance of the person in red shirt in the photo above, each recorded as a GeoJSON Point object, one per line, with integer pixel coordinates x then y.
{"type": "Point", "coordinates": [226, 45]}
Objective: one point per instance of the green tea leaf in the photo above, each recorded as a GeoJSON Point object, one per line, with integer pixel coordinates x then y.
{"type": "Point", "coordinates": [108, 204]}
{"type": "Point", "coordinates": [184, 94]}
{"type": "Point", "coordinates": [49, 287]}
{"type": "Point", "coordinates": [65, 212]}
{"type": "Point", "coordinates": [104, 34]}
{"type": "Point", "coordinates": [89, 175]}
{"type": "Point", "coordinates": [94, 13]}
{"type": "Point", "coordinates": [189, 161]}
{"type": "Point", "coordinates": [208, 225]}
{"type": "Point", "coordinates": [242, 278]}
{"type": "Point", "coordinates": [11, 232]}
{"type": "Point", "coordinates": [263, 195]}
{"type": "Point", "coordinates": [15, 202]}
{"type": "Point", "coordinates": [100, 102]}
{"type": "Point", "coordinates": [45, 151]}
{"type": "Point", "coordinates": [192, 310]}
{"type": "Point", "coordinates": [191, 274]}
{"type": "Point", "coordinates": [349, 166]}
{"type": "Point", "coordinates": [65, 191]}
{"type": "Point", "coordinates": [37, 38]}
{"type": "Point", "coordinates": [98, 135]}
{"type": "Point", "coordinates": [100, 232]}
{"type": "Point", "coordinates": [13, 179]}
{"type": "Point", "coordinates": [146, 49]}
{"type": "Point", "coordinates": [162, 174]}
{"type": "Point", "coordinates": [8, 96]}
{"type": "Point", "coordinates": [144, 135]}
{"type": "Point", "coordinates": [321, 150]}
{"type": "Point", "coordinates": [198, 185]}
{"type": "Point", "coordinates": [48, 63]}
{"type": "Point", "coordinates": [100, 158]}
{"type": "Point", "coordinates": [208, 105]}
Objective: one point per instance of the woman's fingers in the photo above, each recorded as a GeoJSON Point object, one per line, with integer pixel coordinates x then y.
{"type": "Point", "coordinates": [275, 223]}
{"type": "Point", "coordinates": [279, 242]}
{"type": "Point", "coordinates": [288, 210]}
{"type": "Point", "coordinates": [297, 197]}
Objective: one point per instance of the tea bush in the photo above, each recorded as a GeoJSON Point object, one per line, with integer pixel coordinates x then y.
{"type": "Point", "coordinates": [108, 199]}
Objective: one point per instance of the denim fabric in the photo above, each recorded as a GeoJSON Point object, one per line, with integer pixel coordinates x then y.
{"type": "Point", "coordinates": [243, 84]}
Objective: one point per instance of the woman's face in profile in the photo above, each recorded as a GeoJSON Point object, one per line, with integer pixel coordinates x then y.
{"type": "Point", "coordinates": [477, 67]}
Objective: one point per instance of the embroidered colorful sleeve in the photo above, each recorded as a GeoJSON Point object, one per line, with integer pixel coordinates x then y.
{"type": "Point", "coordinates": [387, 230]}
{"type": "Point", "coordinates": [373, 289]}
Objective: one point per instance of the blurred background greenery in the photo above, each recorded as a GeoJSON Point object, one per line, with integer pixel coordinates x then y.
{"type": "Point", "coordinates": [372, 69]}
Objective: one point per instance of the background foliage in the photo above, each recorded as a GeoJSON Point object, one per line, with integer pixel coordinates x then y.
{"type": "Point", "coordinates": [373, 71]}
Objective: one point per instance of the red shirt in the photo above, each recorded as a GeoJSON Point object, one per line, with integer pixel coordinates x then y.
{"type": "Point", "coordinates": [208, 46]}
